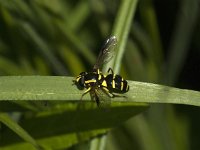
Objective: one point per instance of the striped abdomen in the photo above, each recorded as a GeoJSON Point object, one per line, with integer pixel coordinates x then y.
{"type": "Point", "coordinates": [116, 83]}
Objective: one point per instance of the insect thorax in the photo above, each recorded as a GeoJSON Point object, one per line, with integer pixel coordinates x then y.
{"type": "Point", "coordinates": [89, 79]}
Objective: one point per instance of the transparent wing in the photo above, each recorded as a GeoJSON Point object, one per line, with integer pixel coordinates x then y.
{"type": "Point", "coordinates": [102, 99]}
{"type": "Point", "coordinates": [106, 52]}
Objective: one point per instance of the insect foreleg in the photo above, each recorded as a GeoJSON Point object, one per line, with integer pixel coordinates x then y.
{"type": "Point", "coordinates": [88, 90]}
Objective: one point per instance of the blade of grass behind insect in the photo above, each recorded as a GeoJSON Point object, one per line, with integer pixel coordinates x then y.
{"type": "Point", "coordinates": [98, 143]}
{"type": "Point", "coordinates": [41, 67]}
{"type": "Point", "coordinates": [9, 68]}
{"type": "Point", "coordinates": [55, 7]}
{"type": "Point", "coordinates": [44, 49]}
{"type": "Point", "coordinates": [76, 123]}
{"type": "Point", "coordinates": [76, 43]}
{"type": "Point", "coordinates": [18, 106]}
{"type": "Point", "coordinates": [120, 30]}
{"type": "Point", "coordinates": [187, 18]}
{"type": "Point", "coordinates": [99, 9]}
{"type": "Point", "coordinates": [142, 39]}
{"type": "Point", "coordinates": [74, 64]}
{"type": "Point", "coordinates": [63, 141]}
{"type": "Point", "coordinates": [149, 19]}
{"type": "Point", "coordinates": [151, 69]}
{"type": "Point", "coordinates": [134, 57]}
{"type": "Point", "coordinates": [139, 127]}
{"type": "Point", "coordinates": [78, 15]}
{"type": "Point", "coordinates": [26, 65]}
{"type": "Point", "coordinates": [19, 7]}
{"type": "Point", "coordinates": [5, 119]}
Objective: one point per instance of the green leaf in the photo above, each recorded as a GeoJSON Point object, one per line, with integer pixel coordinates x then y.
{"type": "Point", "coordinates": [121, 29]}
{"type": "Point", "coordinates": [181, 38]}
{"type": "Point", "coordinates": [5, 119]}
{"type": "Point", "coordinates": [72, 123]}
{"type": "Point", "coordinates": [62, 88]}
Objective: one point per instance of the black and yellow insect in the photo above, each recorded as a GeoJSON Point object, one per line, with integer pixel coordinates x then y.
{"type": "Point", "coordinates": [92, 81]}
{"type": "Point", "coordinates": [98, 85]}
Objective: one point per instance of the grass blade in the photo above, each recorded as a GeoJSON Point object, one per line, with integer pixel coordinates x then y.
{"type": "Point", "coordinates": [181, 38]}
{"type": "Point", "coordinates": [61, 88]}
{"type": "Point", "coordinates": [5, 119]}
{"type": "Point", "coordinates": [121, 30]}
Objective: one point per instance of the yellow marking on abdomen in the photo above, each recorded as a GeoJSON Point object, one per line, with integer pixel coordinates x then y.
{"type": "Point", "coordinates": [122, 84]}
{"type": "Point", "coordinates": [113, 83]}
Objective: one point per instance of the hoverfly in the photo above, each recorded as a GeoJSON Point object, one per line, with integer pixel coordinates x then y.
{"type": "Point", "coordinates": [102, 87]}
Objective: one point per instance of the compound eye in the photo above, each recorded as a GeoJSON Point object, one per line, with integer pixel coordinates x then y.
{"type": "Point", "coordinates": [81, 82]}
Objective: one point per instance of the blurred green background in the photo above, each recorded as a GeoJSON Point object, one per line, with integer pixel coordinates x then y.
{"type": "Point", "coordinates": [41, 37]}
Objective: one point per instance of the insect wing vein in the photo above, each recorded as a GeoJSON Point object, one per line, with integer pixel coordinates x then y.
{"type": "Point", "coordinates": [103, 99]}
{"type": "Point", "coordinates": [106, 52]}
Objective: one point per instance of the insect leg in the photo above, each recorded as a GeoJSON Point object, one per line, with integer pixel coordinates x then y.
{"type": "Point", "coordinates": [111, 95]}
{"type": "Point", "coordinates": [110, 69]}
{"type": "Point", "coordinates": [97, 99]}
{"type": "Point", "coordinates": [106, 91]}
{"type": "Point", "coordinates": [88, 90]}
{"type": "Point", "coordinates": [117, 95]}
